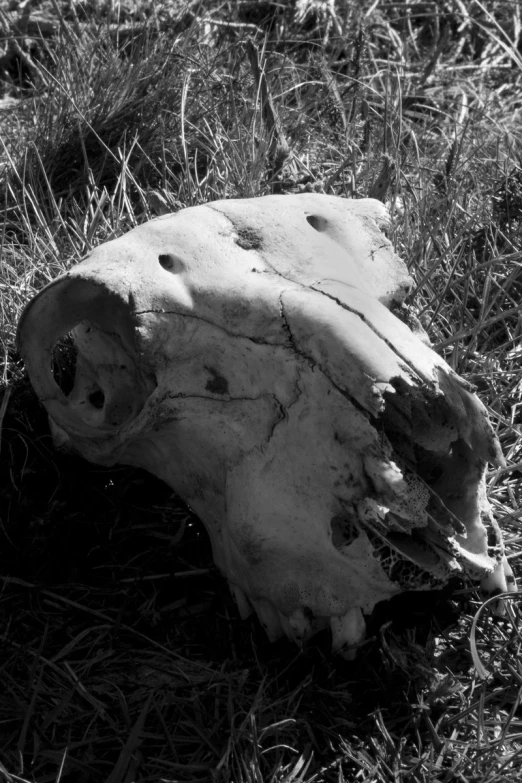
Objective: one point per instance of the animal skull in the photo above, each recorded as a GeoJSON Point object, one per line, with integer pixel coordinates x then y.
{"type": "Point", "coordinates": [243, 351]}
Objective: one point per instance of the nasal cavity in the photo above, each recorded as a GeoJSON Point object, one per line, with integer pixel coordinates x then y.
{"type": "Point", "coordinates": [317, 222]}
{"type": "Point", "coordinates": [170, 263]}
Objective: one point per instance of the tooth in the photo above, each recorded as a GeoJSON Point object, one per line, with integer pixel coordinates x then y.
{"type": "Point", "coordinates": [502, 580]}
{"type": "Point", "coordinates": [297, 627]}
{"type": "Point", "coordinates": [269, 618]}
{"type": "Point", "coordinates": [60, 437]}
{"type": "Point", "coordinates": [285, 625]}
{"type": "Point", "coordinates": [511, 582]}
{"type": "Point", "coordinates": [243, 604]}
{"type": "Point", "coordinates": [348, 631]}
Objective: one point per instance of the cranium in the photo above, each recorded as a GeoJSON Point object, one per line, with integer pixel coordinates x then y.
{"type": "Point", "coordinates": [244, 352]}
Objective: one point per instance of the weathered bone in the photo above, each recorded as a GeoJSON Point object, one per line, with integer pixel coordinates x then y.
{"type": "Point", "coordinates": [244, 352]}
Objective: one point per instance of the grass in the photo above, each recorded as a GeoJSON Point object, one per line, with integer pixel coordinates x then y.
{"type": "Point", "coordinates": [123, 658]}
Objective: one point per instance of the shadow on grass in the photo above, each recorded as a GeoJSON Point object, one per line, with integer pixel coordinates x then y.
{"type": "Point", "coordinates": [123, 650]}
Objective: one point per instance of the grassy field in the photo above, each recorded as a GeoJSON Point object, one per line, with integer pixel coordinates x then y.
{"type": "Point", "coordinates": [122, 655]}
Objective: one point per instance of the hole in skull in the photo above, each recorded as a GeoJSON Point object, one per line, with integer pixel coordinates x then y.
{"type": "Point", "coordinates": [170, 263]}
{"type": "Point", "coordinates": [248, 239]}
{"type": "Point", "coordinates": [217, 383]}
{"type": "Point", "coordinates": [344, 531]}
{"type": "Point", "coordinates": [317, 222]}
{"type": "Point", "coordinates": [97, 399]}
{"type": "Point", "coordinates": [64, 357]}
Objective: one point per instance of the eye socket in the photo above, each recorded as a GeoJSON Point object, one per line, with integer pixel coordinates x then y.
{"type": "Point", "coordinates": [319, 223]}
{"type": "Point", "coordinates": [170, 263]}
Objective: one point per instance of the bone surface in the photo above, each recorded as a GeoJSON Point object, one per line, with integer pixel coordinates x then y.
{"type": "Point", "coordinates": [246, 353]}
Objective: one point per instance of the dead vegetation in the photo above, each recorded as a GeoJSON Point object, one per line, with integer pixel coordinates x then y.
{"type": "Point", "coordinates": [123, 658]}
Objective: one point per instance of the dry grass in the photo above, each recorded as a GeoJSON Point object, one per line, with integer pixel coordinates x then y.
{"type": "Point", "coordinates": [123, 658]}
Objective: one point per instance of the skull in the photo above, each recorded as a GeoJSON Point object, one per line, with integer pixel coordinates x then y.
{"type": "Point", "coordinates": [244, 352]}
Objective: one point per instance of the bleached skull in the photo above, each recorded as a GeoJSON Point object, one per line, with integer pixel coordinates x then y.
{"type": "Point", "coordinates": [243, 351]}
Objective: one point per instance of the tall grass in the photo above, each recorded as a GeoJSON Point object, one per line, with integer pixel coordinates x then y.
{"type": "Point", "coordinates": [122, 655]}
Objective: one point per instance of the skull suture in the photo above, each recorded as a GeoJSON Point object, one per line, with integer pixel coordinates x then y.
{"type": "Point", "coordinates": [243, 351]}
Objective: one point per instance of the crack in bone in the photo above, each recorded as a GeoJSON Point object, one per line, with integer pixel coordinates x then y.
{"type": "Point", "coordinates": [310, 287]}
{"type": "Point", "coordinates": [412, 371]}
{"type": "Point", "coordinates": [315, 366]}
{"type": "Point", "coordinates": [234, 335]}
{"type": "Point", "coordinates": [283, 409]}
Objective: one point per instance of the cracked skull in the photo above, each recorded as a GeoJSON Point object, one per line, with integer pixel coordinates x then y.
{"type": "Point", "coordinates": [245, 352]}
